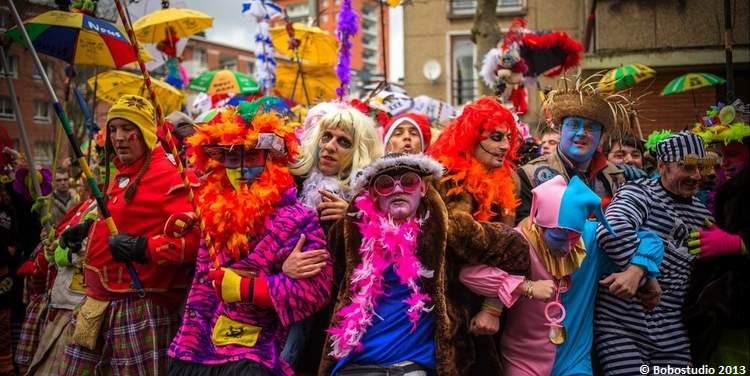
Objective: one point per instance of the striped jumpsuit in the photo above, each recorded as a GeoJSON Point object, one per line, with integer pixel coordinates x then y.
{"type": "Point", "coordinates": [627, 336]}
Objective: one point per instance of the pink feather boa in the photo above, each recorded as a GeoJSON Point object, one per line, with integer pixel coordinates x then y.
{"type": "Point", "coordinates": [383, 243]}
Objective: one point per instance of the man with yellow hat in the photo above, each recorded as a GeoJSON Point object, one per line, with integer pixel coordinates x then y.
{"type": "Point", "coordinates": [117, 330]}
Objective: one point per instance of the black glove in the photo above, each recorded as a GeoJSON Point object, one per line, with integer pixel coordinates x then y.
{"type": "Point", "coordinates": [128, 248]}
{"type": "Point", "coordinates": [72, 238]}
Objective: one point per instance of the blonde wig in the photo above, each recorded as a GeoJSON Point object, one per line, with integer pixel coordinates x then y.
{"type": "Point", "coordinates": [366, 144]}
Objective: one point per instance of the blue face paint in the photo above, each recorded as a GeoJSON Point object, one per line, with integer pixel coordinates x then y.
{"type": "Point", "coordinates": [579, 138]}
{"type": "Point", "coordinates": [244, 174]}
{"type": "Point", "coordinates": [559, 241]}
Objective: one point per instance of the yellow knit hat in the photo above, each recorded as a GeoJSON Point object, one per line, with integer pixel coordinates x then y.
{"type": "Point", "coordinates": [140, 112]}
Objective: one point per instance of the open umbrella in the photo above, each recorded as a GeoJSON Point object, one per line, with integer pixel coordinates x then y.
{"type": "Point", "coordinates": [114, 84]}
{"type": "Point", "coordinates": [223, 82]}
{"type": "Point", "coordinates": [78, 39]}
{"type": "Point", "coordinates": [315, 45]}
{"type": "Point", "coordinates": [314, 84]}
{"type": "Point", "coordinates": [625, 76]}
{"type": "Point", "coordinates": [179, 22]}
{"type": "Point", "coordinates": [691, 81]}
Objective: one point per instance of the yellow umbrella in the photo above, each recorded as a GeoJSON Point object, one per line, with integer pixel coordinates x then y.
{"type": "Point", "coordinates": [315, 84]}
{"type": "Point", "coordinates": [113, 84]}
{"type": "Point", "coordinates": [152, 28]}
{"type": "Point", "coordinates": [316, 46]}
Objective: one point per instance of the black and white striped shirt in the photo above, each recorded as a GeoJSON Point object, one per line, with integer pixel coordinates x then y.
{"type": "Point", "coordinates": [645, 205]}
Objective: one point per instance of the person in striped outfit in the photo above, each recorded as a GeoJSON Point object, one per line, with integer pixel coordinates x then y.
{"type": "Point", "coordinates": [627, 335]}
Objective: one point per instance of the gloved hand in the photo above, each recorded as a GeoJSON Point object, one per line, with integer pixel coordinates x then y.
{"type": "Point", "coordinates": [714, 241]}
{"type": "Point", "coordinates": [232, 287]}
{"type": "Point", "coordinates": [632, 172]}
{"type": "Point", "coordinates": [63, 256]}
{"type": "Point", "coordinates": [72, 238]}
{"type": "Point", "coordinates": [127, 247]}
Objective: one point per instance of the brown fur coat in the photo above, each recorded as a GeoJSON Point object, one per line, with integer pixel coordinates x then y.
{"type": "Point", "coordinates": [446, 243]}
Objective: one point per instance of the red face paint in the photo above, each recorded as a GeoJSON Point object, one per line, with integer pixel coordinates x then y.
{"type": "Point", "coordinates": [131, 138]}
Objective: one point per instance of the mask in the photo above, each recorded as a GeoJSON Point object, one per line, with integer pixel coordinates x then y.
{"type": "Point", "coordinates": [244, 174]}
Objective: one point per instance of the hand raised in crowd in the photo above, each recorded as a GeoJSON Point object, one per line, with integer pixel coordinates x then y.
{"type": "Point", "coordinates": [299, 265]}
{"type": "Point", "coordinates": [624, 284]}
{"type": "Point", "coordinates": [484, 324]}
{"type": "Point", "coordinates": [332, 208]}
{"type": "Point", "coordinates": [650, 294]}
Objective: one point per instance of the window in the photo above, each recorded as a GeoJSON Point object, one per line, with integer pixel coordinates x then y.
{"type": "Point", "coordinates": [228, 62]}
{"type": "Point", "coordinates": [463, 75]}
{"type": "Point", "coordinates": [250, 67]}
{"type": "Point", "coordinates": [5, 20]}
{"type": "Point", "coordinates": [12, 63]}
{"type": "Point", "coordinates": [200, 56]}
{"type": "Point", "coordinates": [47, 68]}
{"type": "Point", "coordinates": [43, 151]}
{"type": "Point", "coordinates": [6, 109]}
{"type": "Point", "coordinates": [41, 111]}
{"type": "Point", "coordinates": [469, 7]}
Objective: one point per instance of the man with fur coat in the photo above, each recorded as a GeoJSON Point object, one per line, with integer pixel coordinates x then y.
{"type": "Point", "coordinates": [395, 311]}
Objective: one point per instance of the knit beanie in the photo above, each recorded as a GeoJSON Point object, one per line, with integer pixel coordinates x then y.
{"type": "Point", "coordinates": [140, 112]}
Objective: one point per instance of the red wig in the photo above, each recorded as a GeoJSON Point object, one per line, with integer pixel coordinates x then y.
{"type": "Point", "coordinates": [455, 150]}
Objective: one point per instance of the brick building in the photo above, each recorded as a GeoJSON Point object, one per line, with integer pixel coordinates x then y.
{"type": "Point", "coordinates": [36, 107]}
{"type": "Point", "coordinates": [367, 54]}
{"type": "Point", "coordinates": [671, 37]}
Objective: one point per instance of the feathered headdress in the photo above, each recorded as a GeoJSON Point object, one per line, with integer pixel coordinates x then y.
{"type": "Point", "coordinates": [724, 123]}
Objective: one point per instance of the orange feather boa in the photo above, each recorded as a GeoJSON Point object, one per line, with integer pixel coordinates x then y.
{"type": "Point", "coordinates": [230, 217]}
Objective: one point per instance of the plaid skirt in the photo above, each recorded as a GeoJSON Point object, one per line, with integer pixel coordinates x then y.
{"type": "Point", "coordinates": [134, 338]}
{"type": "Point", "coordinates": [33, 325]}
{"type": "Point", "coordinates": [6, 342]}
{"type": "Point", "coordinates": [51, 350]}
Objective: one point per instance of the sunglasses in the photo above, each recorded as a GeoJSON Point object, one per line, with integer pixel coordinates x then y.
{"type": "Point", "coordinates": [691, 163]}
{"type": "Point", "coordinates": [234, 157]}
{"type": "Point", "coordinates": [385, 185]}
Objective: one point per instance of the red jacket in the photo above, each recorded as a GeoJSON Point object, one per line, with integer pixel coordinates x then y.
{"type": "Point", "coordinates": [157, 211]}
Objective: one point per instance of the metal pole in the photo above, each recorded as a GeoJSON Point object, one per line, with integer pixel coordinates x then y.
{"type": "Point", "coordinates": [728, 50]}
{"type": "Point", "coordinates": [21, 126]}
{"type": "Point", "coordinates": [383, 32]}
{"type": "Point", "coordinates": [65, 121]}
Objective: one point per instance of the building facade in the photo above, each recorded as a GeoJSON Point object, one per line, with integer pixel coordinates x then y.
{"type": "Point", "coordinates": [367, 45]}
{"type": "Point", "coordinates": [673, 37]}
{"type": "Point", "coordinates": [39, 118]}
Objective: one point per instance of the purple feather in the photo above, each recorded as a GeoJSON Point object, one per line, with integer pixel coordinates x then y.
{"type": "Point", "coordinates": [347, 27]}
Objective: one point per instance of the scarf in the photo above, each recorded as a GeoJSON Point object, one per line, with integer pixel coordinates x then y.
{"type": "Point", "coordinates": [384, 243]}
{"type": "Point", "coordinates": [487, 187]}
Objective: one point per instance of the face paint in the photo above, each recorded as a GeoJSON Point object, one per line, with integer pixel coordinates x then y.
{"type": "Point", "coordinates": [242, 175]}
{"type": "Point", "coordinates": [398, 203]}
{"type": "Point", "coordinates": [560, 241]}
{"type": "Point", "coordinates": [579, 138]}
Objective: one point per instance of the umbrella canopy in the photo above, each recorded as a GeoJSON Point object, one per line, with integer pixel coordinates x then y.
{"type": "Point", "coordinates": [320, 82]}
{"type": "Point", "coordinates": [625, 76]}
{"type": "Point", "coordinates": [315, 45]}
{"type": "Point", "coordinates": [691, 81]}
{"type": "Point", "coordinates": [224, 81]}
{"type": "Point", "coordinates": [77, 39]}
{"type": "Point", "coordinates": [152, 28]}
{"type": "Point", "coordinates": [112, 85]}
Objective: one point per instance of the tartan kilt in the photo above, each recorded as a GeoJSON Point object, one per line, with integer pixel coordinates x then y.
{"type": "Point", "coordinates": [134, 338]}
{"type": "Point", "coordinates": [33, 325]}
